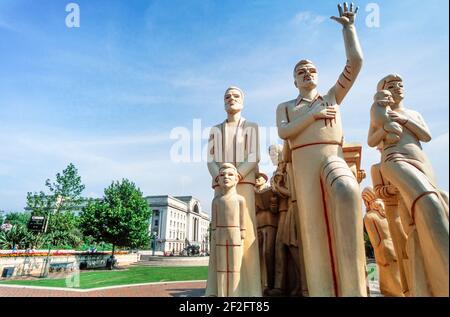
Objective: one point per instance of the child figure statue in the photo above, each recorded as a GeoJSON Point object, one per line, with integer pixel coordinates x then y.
{"type": "Point", "coordinates": [380, 110]}
{"type": "Point", "coordinates": [228, 231]}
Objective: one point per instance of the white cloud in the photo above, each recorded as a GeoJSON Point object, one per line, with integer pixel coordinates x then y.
{"type": "Point", "coordinates": [308, 18]}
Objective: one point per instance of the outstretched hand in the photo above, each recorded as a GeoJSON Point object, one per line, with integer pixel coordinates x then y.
{"type": "Point", "coordinates": [346, 15]}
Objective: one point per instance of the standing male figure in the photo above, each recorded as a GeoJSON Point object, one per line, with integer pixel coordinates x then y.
{"type": "Point", "coordinates": [236, 141]}
{"type": "Point", "coordinates": [328, 194]}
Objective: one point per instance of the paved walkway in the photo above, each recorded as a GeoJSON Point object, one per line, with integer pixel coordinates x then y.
{"type": "Point", "coordinates": [175, 289]}
{"type": "Point", "coordinates": [178, 289]}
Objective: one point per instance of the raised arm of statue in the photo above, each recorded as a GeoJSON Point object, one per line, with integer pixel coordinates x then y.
{"type": "Point", "coordinates": [287, 129]}
{"type": "Point", "coordinates": [253, 157]}
{"type": "Point", "coordinates": [352, 49]}
{"type": "Point", "coordinates": [414, 123]}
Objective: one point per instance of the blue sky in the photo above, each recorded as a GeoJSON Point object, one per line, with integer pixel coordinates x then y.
{"type": "Point", "coordinates": [106, 96]}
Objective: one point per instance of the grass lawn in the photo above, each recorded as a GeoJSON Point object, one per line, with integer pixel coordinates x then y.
{"type": "Point", "coordinates": [132, 275]}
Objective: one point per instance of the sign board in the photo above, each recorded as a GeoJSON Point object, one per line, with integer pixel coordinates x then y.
{"type": "Point", "coordinates": [37, 224]}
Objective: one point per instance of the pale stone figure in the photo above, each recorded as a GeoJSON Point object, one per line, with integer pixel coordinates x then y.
{"type": "Point", "coordinates": [287, 247]}
{"type": "Point", "coordinates": [228, 231]}
{"type": "Point", "coordinates": [378, 230]}
{"type": "Point", "coordinates": [267, 222]}
{"type": "Point", "coordinates": [379, 113]}
{"type": "Point", "coordinates": [328, 193]}
{"type": "Point", "coordinates": [405, 166]}
{"type": "Point", "coordinates": [389, 194]}
{"type": "Point", "coordinates": [236, 141]}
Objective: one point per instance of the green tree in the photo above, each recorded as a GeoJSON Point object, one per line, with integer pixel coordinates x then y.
{"type": "Point", "coordinates": [20, 236]}
{"type": "Point", "coordinates": [18, 218]}
{"type": "Point", "coordinates": [120, 218]}
{"type": "Point", "coordinates": [61, 202]}
{"type": "Point", "coordinates": [15, 238]}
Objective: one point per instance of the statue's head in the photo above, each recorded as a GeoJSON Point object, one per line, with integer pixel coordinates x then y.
{"type": "Point", "coordinates": [261, 180]}
{"type": "Point", "coordinates": [228, 176]}
{"type": "Point", "coordinates": [276, 153]}
{"type": "Point", "coordinates": [393, 83]}
{"type": "Point", "coordinates": [368, 196]}
{"type": "Point", "coordinates": [234, 100]}
{"type": "Point", "coordinates": [384, 98]}
{"type": "Point", "coordinates": [305, 75]}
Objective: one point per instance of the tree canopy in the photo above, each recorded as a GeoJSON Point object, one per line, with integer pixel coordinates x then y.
{"type": "Point", "coordinates": [120, 218]}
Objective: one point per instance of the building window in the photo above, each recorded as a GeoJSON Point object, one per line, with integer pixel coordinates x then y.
{"type": "Point", "coordinates": [156, 223]}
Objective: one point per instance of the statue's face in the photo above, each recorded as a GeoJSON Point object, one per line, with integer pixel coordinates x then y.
{"type": "Point", "coordinates": [396, 89]}
{"type": "Point", "coordinates": [378, 205]}
{"type": "Point", "coordinates": [260, 181]}
{"type": "Point", "coordinates": [273, 154]}
{"type": "Point", "coordinates": [228, 178]}
{"type": "Point", "coordinates": [306, 76]}
{"type": "Point", "coordinates": [386, 99]}
{"type": "Point", "coordinates": [233, 101]}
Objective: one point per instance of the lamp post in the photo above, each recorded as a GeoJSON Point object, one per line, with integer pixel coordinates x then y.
{"type": "Point", "coordinates": [153, 243]}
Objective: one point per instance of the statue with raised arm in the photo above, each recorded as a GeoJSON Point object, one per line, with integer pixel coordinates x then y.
{"type": "Point", "coordinates": [327, 191]}
{"type": "Point", "coordinates": [228, 231]}
{"type": "Point", "coordinates": [380, 237]}
{"type": "Point", "coordinates": [236, 141]}
{"type": "Point", "coordinates": [405, 165]}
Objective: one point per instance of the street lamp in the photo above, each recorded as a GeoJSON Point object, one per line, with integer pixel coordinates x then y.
{"type": "Point", "coordinates": [153, 237]}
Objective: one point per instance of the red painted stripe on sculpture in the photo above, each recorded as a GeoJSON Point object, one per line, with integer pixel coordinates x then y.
{"type": "Point", "coordinates": [317, 143]}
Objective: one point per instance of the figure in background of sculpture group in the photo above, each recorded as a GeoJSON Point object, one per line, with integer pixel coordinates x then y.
{"type": "Point", "coordinates": [389, 194]}
{"type": "Point", "coordinates": [236, 141]}
{"type": "Point", "coordinates": [406, 166]}
{"type": "Point", "coordinates": [327, 191]}
{"type": "Point", "coordinates": [378, 230]}
{"type": "Point", "coordinates": [267, 222]}
{"type": "Point", "coordinates": [228, 231]}
{"type": "Point", "coordinates": [289, 279]}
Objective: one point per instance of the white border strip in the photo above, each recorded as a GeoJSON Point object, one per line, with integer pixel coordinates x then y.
{"type": "Point", "coordinates": [95, 289]}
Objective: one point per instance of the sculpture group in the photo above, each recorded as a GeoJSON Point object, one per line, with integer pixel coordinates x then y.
{"type": "Point", "coordinates": [301, 232]}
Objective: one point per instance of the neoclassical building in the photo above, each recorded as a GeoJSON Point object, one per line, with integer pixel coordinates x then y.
{"type": "Point", "coordinates": [177, 221]}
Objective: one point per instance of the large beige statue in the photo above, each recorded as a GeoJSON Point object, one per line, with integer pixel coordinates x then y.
{"type": "Point", "coordinates": [236, 141]}
{"type": "Point", "coordinates": [389, 194]}
{"type": "Point", "coordinates": [328, 194]}
{"type": "Point", "coordinates": [228, 231]}
{"type": "Point", "coordinates": [267, 222]}
{"type": "Point", "coordinates": [405, 166]}
{"type": "Point", "coordinates": [378, 230]}
{"type": "Point", "coordinates": [287, 247]}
